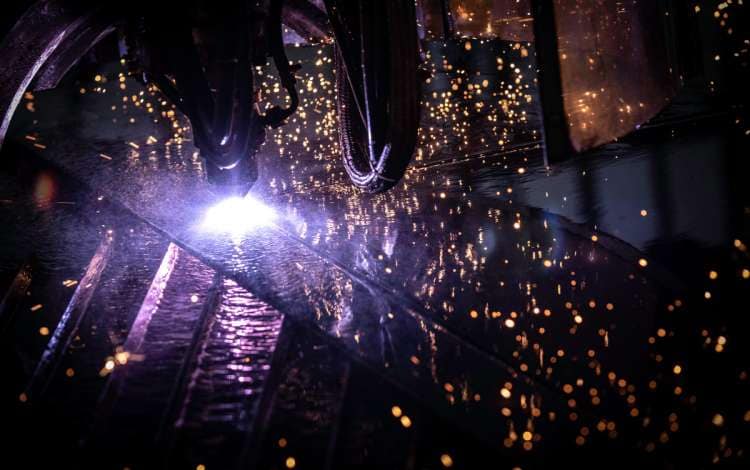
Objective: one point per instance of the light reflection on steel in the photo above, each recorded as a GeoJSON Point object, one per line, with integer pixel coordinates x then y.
{"type": "Point", "coordinates": [151, 302]}
{"type": "Point", "coordinates": [34, 40]}
{"type": "Point", "coordinates": [69, 322]}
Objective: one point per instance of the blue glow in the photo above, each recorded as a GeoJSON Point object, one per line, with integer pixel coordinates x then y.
{"type": "Point", "coordinates": [237, 216]}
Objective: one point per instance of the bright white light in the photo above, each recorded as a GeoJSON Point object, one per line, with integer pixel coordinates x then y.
{"type": "Point", "coordinates": [237, 216]}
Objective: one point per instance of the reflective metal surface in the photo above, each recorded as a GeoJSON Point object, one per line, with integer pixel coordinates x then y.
{"type": "Point", "coordinates": [441, 324]}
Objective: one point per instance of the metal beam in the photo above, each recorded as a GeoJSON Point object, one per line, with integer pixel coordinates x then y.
{"type": "Point", "coordinates": [555, 134]}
